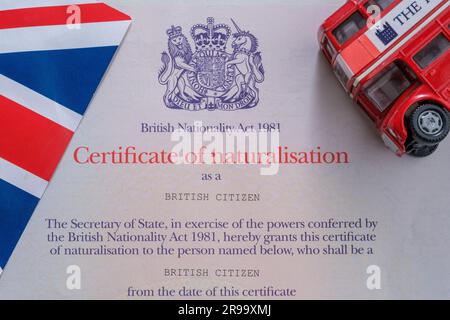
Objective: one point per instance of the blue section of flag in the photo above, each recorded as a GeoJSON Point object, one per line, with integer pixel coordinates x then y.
{"type": "Point", "coordinates": [16, 208]}
{"type": "Point", "coordinates": [69, 77]}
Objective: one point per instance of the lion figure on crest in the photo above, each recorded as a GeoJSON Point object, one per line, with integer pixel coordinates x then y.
{"type": "Point", "coordinates": [175, 64]}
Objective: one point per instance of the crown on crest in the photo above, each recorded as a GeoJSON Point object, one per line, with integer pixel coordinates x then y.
{"type": "Point", "coordinates": [210, 36]}
{"type": "Point", "coordinates": [174, 32]}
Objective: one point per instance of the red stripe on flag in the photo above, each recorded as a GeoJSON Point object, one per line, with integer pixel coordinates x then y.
{"type": "Point", "coordinates": [29, 140]}
{"type": "Point", "coordinates": [47, 16]}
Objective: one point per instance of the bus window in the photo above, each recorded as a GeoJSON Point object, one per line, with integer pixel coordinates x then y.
{"type": "Point", "coordinates": [390, 84]}
{"type": "Point", "coordinates": [330, 51]}
{"type": "Point", "coordinates": [349, 27]}
{"type": "Point", "coordinates": [432, 51]}
{"type": "Point", "coordinates": [383, 4]}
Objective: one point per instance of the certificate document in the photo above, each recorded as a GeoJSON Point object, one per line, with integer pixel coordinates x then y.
{"type": "Point", "coordinates": [202, 150]}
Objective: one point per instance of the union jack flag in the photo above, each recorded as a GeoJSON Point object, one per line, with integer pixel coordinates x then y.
{"type": "Point", "coordinates": [49, 72]}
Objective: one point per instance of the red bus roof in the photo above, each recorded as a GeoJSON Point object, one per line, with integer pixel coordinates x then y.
{"type": "Point", "coordinates": [398, 24]}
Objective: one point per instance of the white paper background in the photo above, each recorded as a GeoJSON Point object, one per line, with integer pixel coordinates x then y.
{"type": "Point", "coordinates": [410, 197]}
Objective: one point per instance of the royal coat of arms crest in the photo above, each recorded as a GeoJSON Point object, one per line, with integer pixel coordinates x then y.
{"type": "Point", "coordinates": [214, 77]}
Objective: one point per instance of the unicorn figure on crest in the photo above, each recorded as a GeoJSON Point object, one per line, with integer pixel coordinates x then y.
{"type": "Point", "coordinates": [248, 63]}
{"type": "Point", "coordinates": [217, 75]}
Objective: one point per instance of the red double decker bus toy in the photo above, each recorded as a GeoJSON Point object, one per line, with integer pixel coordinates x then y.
{"type": "Point", "coordinates": [393, 59]}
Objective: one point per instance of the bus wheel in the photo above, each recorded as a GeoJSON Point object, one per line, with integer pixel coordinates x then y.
{"type": "Point", "coordinates": [421, 151]}
{"type": "Point", "coordinates": [429, 124]}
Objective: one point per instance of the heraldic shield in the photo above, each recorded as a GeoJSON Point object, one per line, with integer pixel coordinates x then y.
{"type": "Point", "coordinates": [215, 76]}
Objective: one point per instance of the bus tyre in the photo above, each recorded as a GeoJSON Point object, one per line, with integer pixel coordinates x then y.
{"type": "Point", "coordinates": [429, 124]}
{"type": "Point", "coordinates": [422, 151]}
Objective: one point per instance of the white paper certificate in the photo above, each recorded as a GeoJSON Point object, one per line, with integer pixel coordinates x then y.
{"type": "Point", "coordinates": [221, 159]}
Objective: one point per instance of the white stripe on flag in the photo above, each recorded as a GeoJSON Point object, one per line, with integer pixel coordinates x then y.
{"type": "Point", "coordinates": [16, 4]}
{"type": "Point", "coordinates": [22, 179]}
{"type": "Point", "coordinates": [98, 34]}
{"type": "Point", "coordinates": [39, 104]}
